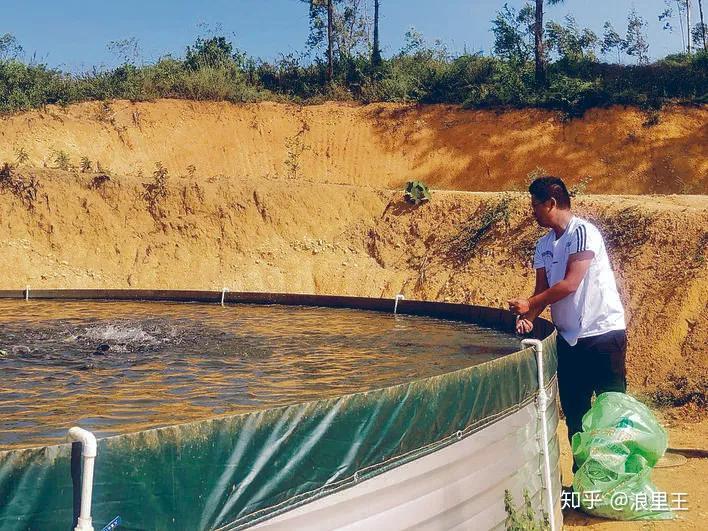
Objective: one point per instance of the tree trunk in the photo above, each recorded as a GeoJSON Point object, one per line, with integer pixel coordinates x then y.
{"type": "Point", "coordinates": [376, 53]}
{"type": "Point", "coordinates": [703, 24]}
{"type": "Point", "coordinates": [330, 40]}
{"type": "Point", "coordinates": [538, 44]}
{"type": "Point", "coordinates": [688, 25]}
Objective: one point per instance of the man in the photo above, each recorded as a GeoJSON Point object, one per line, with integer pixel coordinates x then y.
{"type": "Point", "coordinates": [574, 277]}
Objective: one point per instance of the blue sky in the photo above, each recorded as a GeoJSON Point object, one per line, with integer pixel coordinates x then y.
{"type": "Point", "coordinates": [73, 34]}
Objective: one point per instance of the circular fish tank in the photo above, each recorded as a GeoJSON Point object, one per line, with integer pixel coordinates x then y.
{"type": "Point", "coordinates": [217, 410]}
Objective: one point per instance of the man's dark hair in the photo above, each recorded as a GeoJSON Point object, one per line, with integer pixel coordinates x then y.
{"type": "Point", "coordinates": [548, 187]}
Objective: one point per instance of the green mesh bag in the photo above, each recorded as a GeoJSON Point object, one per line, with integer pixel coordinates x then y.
{"type": "Point", "coordinates": [620, 443]}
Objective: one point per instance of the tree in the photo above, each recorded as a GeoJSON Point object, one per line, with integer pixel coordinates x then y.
{"type": "Point", "coordinates": [700, 29]}
{"type": "Point", "coordinates": [636, 39]}
{"type": "Point", "coordinates": [698, 34]}
{"type": "Point", "coordinates": [513, 33]}
{"type": "Point", "coordinates": [683, 9]}
{"type": "Point", "coordinates": [611, 40]}
{"type": "Point", "coordinates": [413, 42]}
{"type": "Point", "coordinates": [571, 44]}
{"type": "Point", "coordinates": [126, 50]}
{"type": "Point", "coordinates": [330, 40]}
{"type": "Point", "coordinates": [9, 47]}
{"type": "Point", "coordinates": [351, 25]}
{"type": "Point", "coordinates": [539, 56]}
{"type": "Point", "coordinates": [214, 52]}
{"type": "Point", "coordinates": [342, 24]}
{"type": "Point", "coordinates": [688, 26]}
{"type": "Point", "coordinates": [321, 17]}
{"type": "Point", "coordinates": [376, 52]}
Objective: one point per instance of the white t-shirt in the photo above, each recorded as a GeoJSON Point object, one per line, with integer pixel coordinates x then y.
{"type": "Point", "coordinates": [595, 307]}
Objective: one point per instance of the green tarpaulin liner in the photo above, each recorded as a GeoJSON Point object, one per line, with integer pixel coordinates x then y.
{"type": "Point", "coordinates": [620, 443]}
{"type": "Point", "coordinates": [232, 472]}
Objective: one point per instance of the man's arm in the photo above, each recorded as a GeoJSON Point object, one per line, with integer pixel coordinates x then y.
{"type": "Point", "coordinates": [541, 286]}
{"type": "Point", "coordinates": [578, 265]}
{"type": "Point", "coordinates": [524, 323]}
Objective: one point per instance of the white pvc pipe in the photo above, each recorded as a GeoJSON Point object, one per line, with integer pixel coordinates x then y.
{"type": "Point", "coordinates": [399, 297]}
{"type": "Point", "coordinates": [88, 452]}
{"type": "Point", "coordinates": [27, 293]}
{"type": "Point", "coordinates": [223, 294]}
{"type": "Point", "coordinates": [542, 405]}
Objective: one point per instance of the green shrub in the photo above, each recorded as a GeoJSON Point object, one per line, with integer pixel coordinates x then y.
{"type": "Point", "coordinates": [524, 518]}
{"type": "Point", "coordinates": [416, 192]}
{"type": "Point", "coordinates": [214, 70]}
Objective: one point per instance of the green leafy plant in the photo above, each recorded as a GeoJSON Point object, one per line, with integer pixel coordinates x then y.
{"type": "Point", "coordinates": [524, 518]}
{"type": "Point", "coordinates": [61, 160]}
{"type": "Point", "coordinates": [85, 165]}
{"type": "Point", "coordinates": [156, 191]}
{"type": "Point", "coordinates": [477, 229]}
{"type": "Point", "coordinates": [21, 156]}
{"type": "Point", "coordinates": [416, 192]}
{"type": "Point", "coordinates": [580, 187]}
{"type": "Point", "coordinates": [24, 189]}
{"type": "Point", "coordinates": [295, 147]}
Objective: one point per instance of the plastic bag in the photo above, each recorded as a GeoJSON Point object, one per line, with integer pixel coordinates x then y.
{"type": "Point", "coordinates": [620, 443]}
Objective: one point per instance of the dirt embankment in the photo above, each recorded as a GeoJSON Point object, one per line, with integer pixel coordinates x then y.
{"type": "Point", "coordinates": [616, 150]}
{"type": "Point", "coordinates": [82, 230]}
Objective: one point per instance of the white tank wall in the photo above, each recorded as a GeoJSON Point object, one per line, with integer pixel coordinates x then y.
{"type": "Point", "coordinates": [460, 486]}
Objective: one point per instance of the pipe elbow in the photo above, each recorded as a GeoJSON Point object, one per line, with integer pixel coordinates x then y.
{"type": "Point", "coordinates": [87, 440]}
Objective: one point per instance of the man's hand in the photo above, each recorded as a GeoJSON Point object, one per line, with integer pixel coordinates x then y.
{"type": "Point", "coordinates": [523, 326]}
{"type": "Point", "coordinates": [518, 306]}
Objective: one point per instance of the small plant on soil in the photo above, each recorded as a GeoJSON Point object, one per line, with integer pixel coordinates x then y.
{"type": "Point", "coordinates": [580, 187]}
{"type": "Point", "coordinates": [61, 160]}
{"type": "Point", "coordinates": [86, 165]}
{"type": "Point", "coordinates": [416, 192]}
{"type": "Point", "coordinates": [105, 112]}
{"type": "Point", "coordinates": [653, 117]}
{"type": "Point", "coordinates": [21, 156]}
{"type": "Point", "coordinates": [524, 518]}
{"type": "Point", "coordinates": [295, 147]}
{"type": "Point", "coordinates": [479, 228]}
{"type": "Point", "coordinates": [156, 191]}
{"type": "Point", "coordinates": [699, 257]}
{"type": "Point", "coordinates": [626, 231]}
{"type": "Point", "coordinates": [24, 190]}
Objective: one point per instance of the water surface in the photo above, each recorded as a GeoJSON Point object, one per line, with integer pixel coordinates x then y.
{"type": "Point", "coordinates": [118, 367]}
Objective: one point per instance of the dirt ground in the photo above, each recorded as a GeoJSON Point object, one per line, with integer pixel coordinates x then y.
{"type": "Point", "coordinates": [274, 197]}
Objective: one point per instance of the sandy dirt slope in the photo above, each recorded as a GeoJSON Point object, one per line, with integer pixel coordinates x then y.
{"type": "Point", "coordinates": [380, 145]}
{"type": "Point", "coordinates": [80, 230]}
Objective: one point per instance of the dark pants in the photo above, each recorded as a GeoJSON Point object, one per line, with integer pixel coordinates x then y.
{"type": "Point", "coordinates": [595, 364]}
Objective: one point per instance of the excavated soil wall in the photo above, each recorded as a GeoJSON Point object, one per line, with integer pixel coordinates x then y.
{"type": "Point", "coordinates": [616, 150]}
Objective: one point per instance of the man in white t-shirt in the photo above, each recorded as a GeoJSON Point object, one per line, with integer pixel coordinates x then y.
{"type": "Point", "coordinates": [574, 277]}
